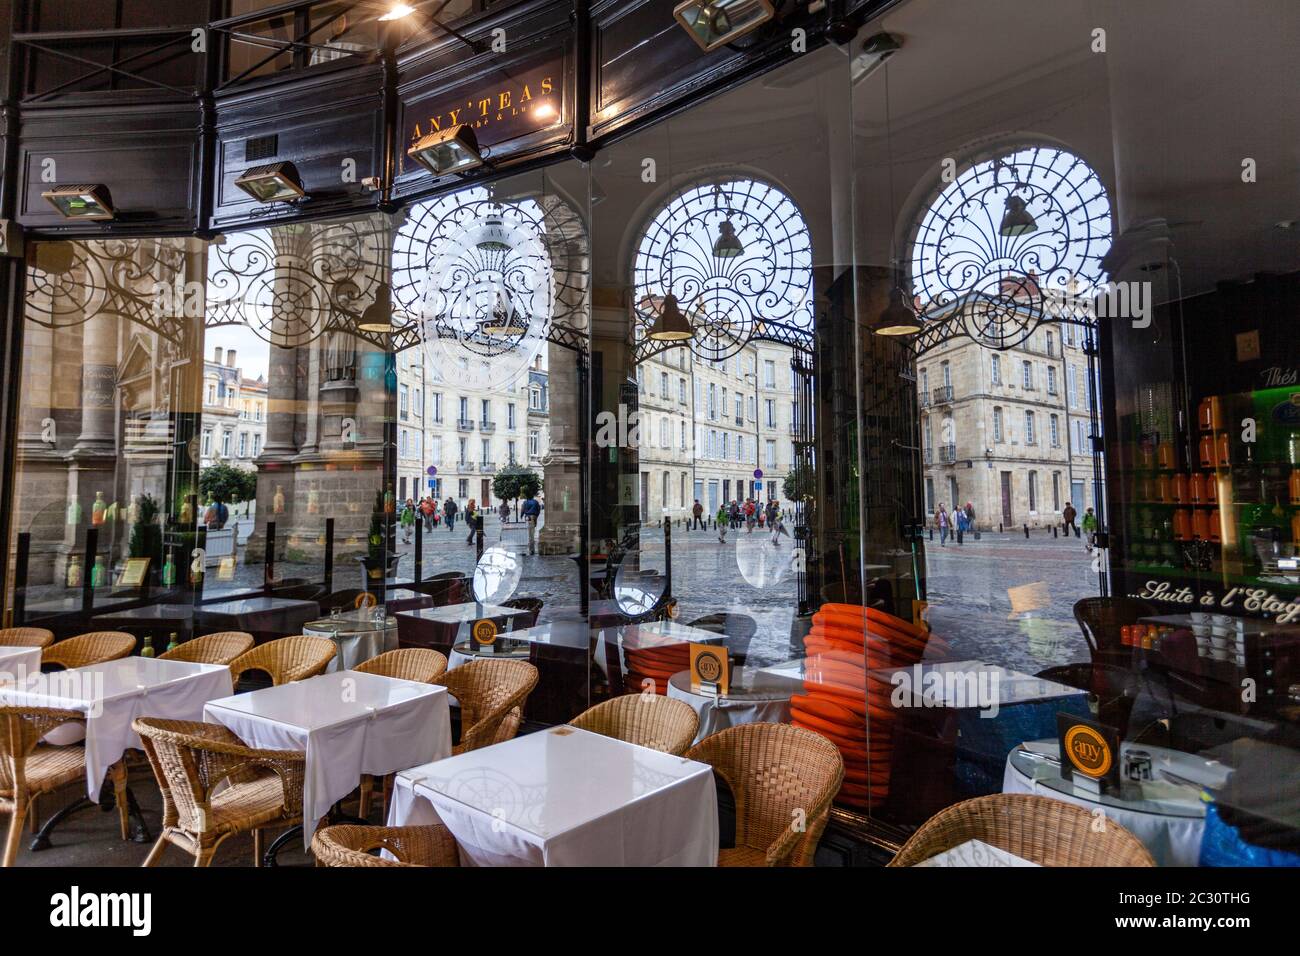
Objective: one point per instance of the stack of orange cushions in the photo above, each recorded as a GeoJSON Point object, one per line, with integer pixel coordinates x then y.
{"type": "Point", "coordinates": [847, 641]}
{"type": "Point", "coordinates": [655, 663]}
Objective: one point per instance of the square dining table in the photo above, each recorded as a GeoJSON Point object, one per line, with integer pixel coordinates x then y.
{"type": "Point", "coordinates": [17, 662]}
{"type": "Point", "coordinates": [441, 627]}
{"type": "Point", "coordinates": [347, 723]}
{"type": "Point", "coordinates": [566, 797]}
{"type": "Point", "coordinates": [115, 693]}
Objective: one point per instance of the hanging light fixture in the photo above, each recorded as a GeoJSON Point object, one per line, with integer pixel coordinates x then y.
{"type": "Point", "coordinates": [728, 244]}
{"type": "Point", "coordinates": [671, 325]}
{"type": "Point", "coordinates": [898, 318]}
{"type": "Point", "coordinates": [503, 322]}
{"type": "Point", "coordinates": [1016, 220]}
{"type": "Point", "coordinates": [378, 316]}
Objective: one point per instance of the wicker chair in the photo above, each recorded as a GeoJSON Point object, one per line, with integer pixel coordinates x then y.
{"type": "Point", "coordinates": [530, 604]}
{"type": "Point", "coordinates": [491, 695]}
{"type": "Point", "coordinates": [407, 663]}
{"type": "Point", "coordinates": [25, 637]}
{"type": "Point", "coordinates": [83, 650]}
{"type": "Point", "coordinates": [349, 845]}
{"type": "Point", "coordinates": [737, 630]}
{"type": "Point", "coordinates": [648, 720]}
{"type": "Point", "coordinates": [190, 759]}
{"type": "Point", "coordinates": [220, 648]}
{"type": "Point", "coordinates": [1039, 829]}
{"type": "Point", "coordinates": [29, 768]}
{"type": "Point", "coordinates": [773, 771]}
{"type": "Point", "coordinates": [285, 660]}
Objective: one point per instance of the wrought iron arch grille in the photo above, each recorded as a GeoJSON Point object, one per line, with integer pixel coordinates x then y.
{"type": "Point", "coordinates": [977, 271]}
{"type": "Point", "coordinates": [764, 289]}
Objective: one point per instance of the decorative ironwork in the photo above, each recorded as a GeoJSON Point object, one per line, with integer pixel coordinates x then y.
{"type": "Point", "coordinates": [293, 283]}
{"type": "Point", "coordinates": [485, 282]}
{"type": "Point", "coordinates": [1014, 241]}
{"type": "Point", "coordinates": [737, 255]}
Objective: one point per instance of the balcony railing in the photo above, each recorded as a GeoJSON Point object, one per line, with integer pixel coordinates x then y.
{"type": "Point", "coordinates": [487, 467]}
{"type": "Point", "coordinates": [485, 426]}
{"type": "Point", "coordinates": [947, 454]}
{"type": "Point", "coordinates": [929, 456]}
{"type": "Point", "coordinates": [925, 400]}
{"type": "Point", "coordinates": [464, 466]}
{"type": "Point", "coordinates": [942, 395]}
{"type": "Point", "coordinates": [465, 424]}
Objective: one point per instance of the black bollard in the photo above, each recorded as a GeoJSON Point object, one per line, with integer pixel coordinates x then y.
{"type": "Point", "coordinates": [1026, 532]}
{"type": "Point", "coordinates": [1054, 534]}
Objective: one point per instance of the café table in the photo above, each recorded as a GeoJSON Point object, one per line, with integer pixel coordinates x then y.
{"type": "Point", "coordinates": [266, 618]}
{"type": "Point", "coordinates": [561, 652]}
{"type": "Point", "coordinates": [158, 621]}
{"type": "Point", "coordinates": [975, 853]}
{"type": "Point", "coordinates": [1165, 813]}
{"type": "Point", "coordinates": [112, 695]}
{"type": "Point", "coordinates": [754, 697]}
{"type": "Point", "coordinates": [347, 723]}
{"type": "Point", "coordinates": [566, 797]}
{"type": "Point", "coordinates": [442, 627]}
{"type": "Point", "coordinates": [613, 642]}
{"type": "Point", "coordinates": [356, 636]}
{"type": "Point", "coordinates": [406, 599]}
{"type": "Point", "coordinates": [17, 662]}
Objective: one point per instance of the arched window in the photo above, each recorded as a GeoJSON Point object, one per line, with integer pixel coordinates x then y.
{"type": "Point", "coordinates": [734, 255]}
{"type": "Point", "coordinates": [1015, 237]}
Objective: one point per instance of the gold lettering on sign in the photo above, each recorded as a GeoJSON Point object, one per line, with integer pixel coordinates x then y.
{"type": "Point", "coordinates": [485, 109]}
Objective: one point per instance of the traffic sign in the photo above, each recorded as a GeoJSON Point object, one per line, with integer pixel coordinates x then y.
{"type": "Point", "coordinates": [758, 472]}
{"type": "Point", "coordinates": [431, 470]}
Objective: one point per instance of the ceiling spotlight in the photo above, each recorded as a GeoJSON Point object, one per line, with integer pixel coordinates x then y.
{"type": "Point", "coordinates": [397, 12]}
{"type": "Point", "coordinates": [875, 51]}
{"type": "Point", "coordinates": [1016, 221]}
{"type": "Point", "coordinates": [87, 201]}
{"type": "Point", "coordinates": [715, 23]}
{"type": "Point", "coordinates": [728, 244]}
{"type": "Point", "coordinates": [671, 325]}
{"type": "Point", "coordinates": [897, 318]}
{"type": "Point", "coordinates": [453, 150]}
{"type": "Point", "coordinates": [276, 182]}
{"type": "Point", "coordinates": [378, 316]}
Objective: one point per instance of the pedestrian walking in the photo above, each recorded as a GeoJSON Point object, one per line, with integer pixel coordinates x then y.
{"type": "Point", "coordinates": [471, 519]}
{"type": "Point", "coordinates": [959, 522]}
{"type": "Point", "coordinates": [449, 509]}
{"type": "Point", "coordinates": [503, 513]}
{"type": "Point", "coordinates": [723, 521]}
{"type": "Point", "coordinates": [697, 515]}
{"type": "Point", "coordinates": [941, 519]}
{"type": "Point", "coordinates": [1089, 530]}
{"type": "Point", "coordinates": [1067, 519]}
{"type": "Point", "coordinates": [778, 529]}
{"type": "Point", "coordinates": [428, 511]}
{"type": "Point", "coordinates": [750, 510]}
{"type": "Point", "coordinates": [407, 520]}
{"type": "Point", "coordinates": [532, 510]}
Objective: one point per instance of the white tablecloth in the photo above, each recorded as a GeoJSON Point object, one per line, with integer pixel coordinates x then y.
{"type": "Point", "coordinates": [354, 647]}
{"type": "Point", "coordinates": [347, 723]}
{"type": "Point", "coordinates": [1169, 821]}
{"type": "Point", "coordinates": [115, 693]}
{"type": "Point", "coordinates": [975, 853]}
{"type": "Point", "coordinates": [566, 797]}
{"type": "Point", "coordinates": [17, 662]}
{"type": "Point", "coordinates": [766, 702]}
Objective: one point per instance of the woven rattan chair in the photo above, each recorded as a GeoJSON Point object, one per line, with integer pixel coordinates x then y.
{"type": "Point", "coordinates": [285, 660]}
{"type": "Point", "coordinates": [1101, 618]}
{"type": "Point", "coordinates": [221, 648]}
{"type": "Point", "coordinates": [1039, 829]}
{"type": "Point", "coordinates": [190, 759]}
{"type": "Point", "coordinates": [29, 768]}
{"type": "Point", "coordinates": [407, 663]}
{"type": "Point", "coordinates": [348, 845]}
{"type": "Point", "coordinates": [86, 649]}
{"type": "Point", "coordinates": [779, 775]}
{"type": "Point", "coordinates": [491, 696]}
{"type": "Point", "coordinates": [25, 637]}
{"type": "Point", "coordinates": [648, 720]}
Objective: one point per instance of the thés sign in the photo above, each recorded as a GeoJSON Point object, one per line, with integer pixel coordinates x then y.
{"type": "Point", "coordinates": [496, 107]}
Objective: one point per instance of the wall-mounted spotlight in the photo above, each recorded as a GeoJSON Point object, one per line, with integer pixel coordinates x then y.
{"type": "Point", "coordinates": [715, 23]}
{"type": "Point", "coordinates": [276, 182]}
{"type": "Point", "coordinates": [453, 150]}
{"type": "Point", "coordinates": [671, 325]}
{"type": "Point", "coordinates": [86, 201]}
{"type": "Point", "coordinates": [875, 51]}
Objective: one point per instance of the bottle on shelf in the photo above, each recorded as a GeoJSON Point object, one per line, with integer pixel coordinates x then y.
{"type": "Point", "coordinates": [99, 572]}
{"type": "Point", "coordinates": [74, 571]}
{"type": "Point", "coordinates": [171, 642]}
{"type": "Point", "coordinates": [97, 509]}
{"type": "Point", "coordinates": [147, 650]}
{"type": "Point", "coordinates": [169, 572]}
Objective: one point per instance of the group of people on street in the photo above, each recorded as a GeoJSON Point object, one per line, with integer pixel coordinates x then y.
{"type": "Point", "coordinates": [432, 514]}
{"type": "Point", "coordinates": [956, 524]}
{"type": "Point", "coordinates": [750, 514]}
